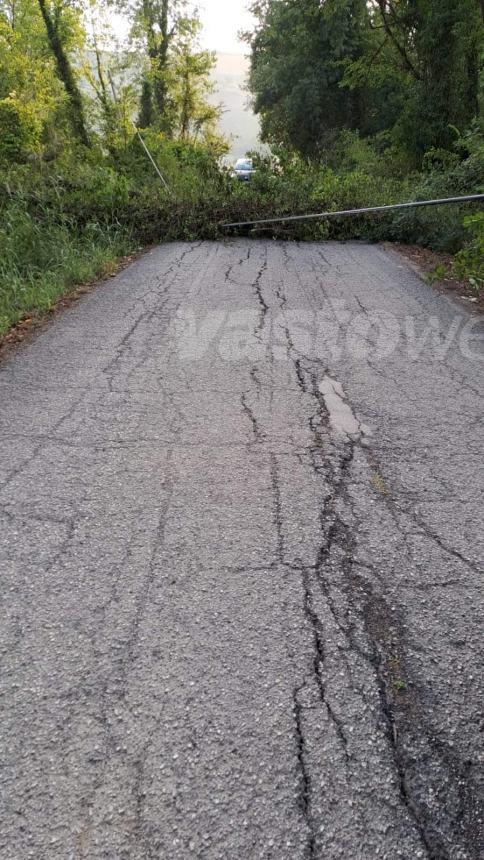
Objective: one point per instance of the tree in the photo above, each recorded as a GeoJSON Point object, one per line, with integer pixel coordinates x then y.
{"type": "Point", "coordinates": [436, 44]}
{"type": "Point", "coordinates": [156, 25]}
{"type": "Point", "coordinates": [190, 85]}
{"type": "Point", "coordinates": [60, 18]}
{"type": "Point", "coordinates": [299, 50]}
{"type": "Point", "coordinates": [109, 71]}
{"type": "Point", "coordinates": [409, 68]}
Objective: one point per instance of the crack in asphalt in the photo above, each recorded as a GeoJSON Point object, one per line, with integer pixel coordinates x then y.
{"type": "Point", "coordinates": [319, 660]}
{"type": "Point", "coordinates": [114, 690]}
{"type": "Point", "coordinates": [276, 494]}
{"type": "Point", "coordinates": [17, 470]}
{"type": "Point", "coordinates": [258, 435]}
{"type": "Point", "coordinates": [336, 532]}
{"type": "Point", "coordinates": [339, 534]}
{"type": "Point", "coordinates": [162, 297]}
{"type": "Point", "coordinates": [304, 775]}
{"type": "Point", "coordinates": [264, 307]}
{"type": "Point", "coordinates": [427, 826]}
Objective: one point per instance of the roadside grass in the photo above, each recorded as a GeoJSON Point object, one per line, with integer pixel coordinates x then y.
{"type": "Point", "coordinates": [42, 259]}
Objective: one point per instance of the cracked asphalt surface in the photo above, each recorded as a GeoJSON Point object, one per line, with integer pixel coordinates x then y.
{"type": "Point", "coordinates": [242, 551]}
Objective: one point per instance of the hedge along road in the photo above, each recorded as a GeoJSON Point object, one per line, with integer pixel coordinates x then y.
{"type": "Point", "coordinates": [242, 552]}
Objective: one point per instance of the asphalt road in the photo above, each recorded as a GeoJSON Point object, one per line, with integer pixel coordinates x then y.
{"type": "Point", "coordinates": [242, 546]}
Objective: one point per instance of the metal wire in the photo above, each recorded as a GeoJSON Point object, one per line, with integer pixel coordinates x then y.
{"type": "Point", "coordinates": [148, 153]}
{"type": "Point", "coordinates": [143, 144]}
{"type": "Point", "coordinates": [346, 212]}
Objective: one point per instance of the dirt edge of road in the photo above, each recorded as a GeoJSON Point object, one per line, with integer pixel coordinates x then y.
{"type": "Point", "coordinates": [426, 263]}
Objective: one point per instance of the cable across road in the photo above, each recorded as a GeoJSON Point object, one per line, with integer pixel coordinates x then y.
{"type": "Point", "coordinates": [468, 198]}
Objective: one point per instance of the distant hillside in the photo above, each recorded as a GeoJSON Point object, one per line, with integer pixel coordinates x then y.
{"type": "Point", "coordinates": [237, 122]}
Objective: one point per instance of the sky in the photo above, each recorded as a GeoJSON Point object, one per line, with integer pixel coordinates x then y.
{"type": "Point", "coordinates": [222, 20]}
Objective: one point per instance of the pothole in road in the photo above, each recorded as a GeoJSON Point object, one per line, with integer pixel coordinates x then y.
{"type": "Point", "coordinates": [342, 419]}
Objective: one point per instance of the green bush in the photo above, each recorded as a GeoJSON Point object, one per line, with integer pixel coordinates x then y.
{"type": "Point", "coordinates": [42, 255]}
{"type": "Point", "coordinates": [14, 136]}
{"type": "Point", "coordinates": [469, 262]}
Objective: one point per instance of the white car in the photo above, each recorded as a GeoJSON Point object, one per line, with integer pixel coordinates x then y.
{"type": "Point", "coordinates": [244, 169]}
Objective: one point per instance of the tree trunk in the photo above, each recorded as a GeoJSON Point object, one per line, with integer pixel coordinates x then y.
{"type": "Point", "coordinates": [153, 102]}
{"type": "Point", "coordinates": [66, 75]}
{"type": "Point", "coordinates": [146, 105]}
{"type": "Point", "coordinates": [162, 60]}
{"type": "Point", "coordinates": [185, 103]}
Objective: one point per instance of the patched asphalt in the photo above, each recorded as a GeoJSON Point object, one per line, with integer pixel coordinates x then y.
{"type": "Point", "coordinates": [241, 550]}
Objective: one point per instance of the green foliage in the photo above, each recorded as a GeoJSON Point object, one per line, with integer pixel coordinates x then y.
{"type": "Point", "coordinates": [176, 72]}
{"type": "Point", "coordinates": [437, 274]}
{"type": "Point", "coordinates": [299, 52]}
{"type": "Point", "coordinates": [15, 135]}
{"type": "Point", "coordinates": [64, 222]}
{"type": "Point", "coordinates": [30, 95]}
{"type": "Point", "coordinates": [409, 68]}
{"type": "Point", "coordinates": [193, 116]}
{"type": "Point", "coordinates": [470, 261]}
{"type": "Point", "coordinates": [42, 255]}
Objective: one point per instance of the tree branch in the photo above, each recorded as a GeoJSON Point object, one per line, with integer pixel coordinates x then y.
{"type": "Point", "coordinates": [400, 48]}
